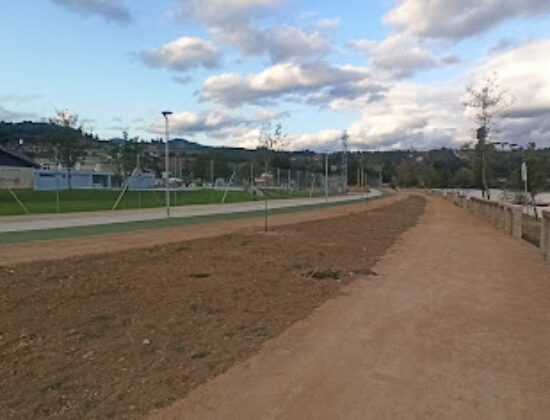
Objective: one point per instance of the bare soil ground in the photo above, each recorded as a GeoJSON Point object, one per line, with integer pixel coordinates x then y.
{"type": "Point", "coordinates": [455, 326]}
{"type": "Point", "coordinates": [116, 335]}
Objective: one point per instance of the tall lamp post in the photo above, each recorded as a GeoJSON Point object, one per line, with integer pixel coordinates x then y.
{"type": "Point", "coordinates": [326, 177]}
{"type": "Point", "coordinates": [167, 162]}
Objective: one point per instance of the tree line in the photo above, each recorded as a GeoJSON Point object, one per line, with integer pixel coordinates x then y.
{"type": "Point", "coordinates": [65, 141]}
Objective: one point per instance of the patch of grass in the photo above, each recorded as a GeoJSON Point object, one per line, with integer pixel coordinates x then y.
{"type": "Point", "coordinates": [260, 331]}
{"type": "Point", "coordinates": [98, 331]}
{"type": "Point", "coordinates": [200, 275]}
{"type": "Point", "coordinates": [200, 355]}
{"type": "Point", "coordinates": [89, 405]}
{"type": "Point", "coordinates": [101, 318]}
{"type": "Point", "coordinates": [204, 309]}
{"type": "Point", "coordinates": [324, 275]}
{"type": "Point", "coordinates": [54, 385]}
{"type": "Point", "coordinates": [177, 347]}
{"type": "Point", "coordinates": [79, 200]}
{"type": "Point", "coordinates": [97, 325]}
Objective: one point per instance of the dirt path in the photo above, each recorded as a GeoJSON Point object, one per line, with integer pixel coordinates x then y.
{"type": "Point", "coordinates": [64, 248]}
{"type": "Point", "coordinates": [454, 326]}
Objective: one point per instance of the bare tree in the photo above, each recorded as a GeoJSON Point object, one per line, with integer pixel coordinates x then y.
{"type": "Point", "coordinates": [270, 142]}
{"type": "Point", "coordinates": [486, 100]}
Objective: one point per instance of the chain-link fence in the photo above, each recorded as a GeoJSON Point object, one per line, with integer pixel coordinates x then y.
{"type": "Point", "coordinates": [210, 182]}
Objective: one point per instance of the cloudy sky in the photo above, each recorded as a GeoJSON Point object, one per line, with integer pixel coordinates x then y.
{"type": "Point", "coordinates": [392, 72]}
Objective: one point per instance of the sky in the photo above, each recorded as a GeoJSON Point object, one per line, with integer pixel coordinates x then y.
{"type": "Point", "coordinates": [393, 73]}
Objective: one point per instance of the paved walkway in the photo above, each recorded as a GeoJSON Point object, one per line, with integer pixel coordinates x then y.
{"type": "Point", "coordinates": [455, 326]}
{"type": "Point", "coordinates": [51, 221]}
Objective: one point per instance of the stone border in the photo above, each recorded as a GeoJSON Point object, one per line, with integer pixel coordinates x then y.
{"type": "Point", "coordinates": [545, 234]}
{"type": "Point", "coordinates": [501, 215]}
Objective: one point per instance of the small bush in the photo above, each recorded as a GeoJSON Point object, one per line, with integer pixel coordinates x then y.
{"type": "Point", "coordinates": [200, 275]}
{"type": "Point", "coordinates": [326, 274]}
{"type": "Point", "coordinates": [200, 354]}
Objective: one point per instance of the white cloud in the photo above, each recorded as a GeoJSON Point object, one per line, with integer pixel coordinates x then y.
{"type": "Point", "coordinates": [321, 140]}
{"type": "Point", "coordinates": [390, 115]}
{"type": "Point", "coordinates": [279, 80]}
{"type": "Point", "coordinates": [215, 12]}
{"type": "Point", "coordinates": [183, 54]}
{"type": "Point", "coordinates": [233, 22]}
{"type": "Point", "coordinates": [110, 10]}
{"type": "Point", "coordinates": [524, 74]}
{"type": "Point", "coordinates": [398, 55]}
{"type": "Point", "coordinates": [281, 43]}
{"type": "Point", "coordinates": [218, 123]}
{"type": "Point", "coordinates": [186, 123]}
{"type": "Point", "coordinates": [458, 19]}
{"type": "Point", "coordinates": [286, 42]}
{"type": "Point", "coordinates": [329, 23]}
{"type": "Point", "coordinates": [410, 115]}
{"type": "Point", "coordinates": [428, 115]}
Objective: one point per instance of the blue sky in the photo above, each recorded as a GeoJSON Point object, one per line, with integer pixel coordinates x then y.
{"type": "Point", "coordinates": [393, 73]}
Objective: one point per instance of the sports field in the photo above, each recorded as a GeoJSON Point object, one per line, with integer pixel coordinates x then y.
{"type": "Point", "coordinates": [76, 200]}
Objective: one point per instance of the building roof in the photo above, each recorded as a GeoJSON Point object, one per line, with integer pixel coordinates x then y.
{"type": "Point", "coordinates": [9, 158]}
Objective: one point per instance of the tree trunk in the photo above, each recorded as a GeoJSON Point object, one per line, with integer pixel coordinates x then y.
{"type": "Point", "coordinates": [484, 174]}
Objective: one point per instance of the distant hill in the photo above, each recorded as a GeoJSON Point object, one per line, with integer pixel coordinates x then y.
{"type": "Point", "coordinates": [30, 132]}
{"type": "Point", "coordinates": [37, 132]}
{"type": "Point", "coordinates": [178, 143]}
{"type": "Point", "coordinates": [406, 168]}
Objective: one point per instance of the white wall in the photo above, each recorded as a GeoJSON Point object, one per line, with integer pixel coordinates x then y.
{"type": "Point", "coordinates": [14, 177]}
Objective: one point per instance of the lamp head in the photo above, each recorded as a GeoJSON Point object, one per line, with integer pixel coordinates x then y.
{"type": "Point", "coordinates": [166, 113]}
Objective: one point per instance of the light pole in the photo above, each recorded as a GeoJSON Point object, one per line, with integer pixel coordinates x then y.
{"type": "Point", "coordinates": [326, 177]}
{"type": "Point", "coordinates": [167, 162]}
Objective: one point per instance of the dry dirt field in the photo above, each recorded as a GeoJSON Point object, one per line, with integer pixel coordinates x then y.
{"type": "Point", "coordinates": [119, 334]}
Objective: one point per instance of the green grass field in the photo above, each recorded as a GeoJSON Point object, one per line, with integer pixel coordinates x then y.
{"type": "Point", "coordinates": [40, 202]}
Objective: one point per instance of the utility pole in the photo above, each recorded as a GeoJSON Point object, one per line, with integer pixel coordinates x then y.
{"type": "Point", "coordinates": [344, 140]}
{"type": "Point", "coordinates": [212, 174]}
{"type": "Point", "coordinates": [167, 162]}
{"type": "Point", "coordinates": [524, 175]}
{"type": "Point", "coordinates": [289, 178]}
{"type": "Point", "coordinates": [326, 177]}
{"type": "Point", "coordinates": [265, 213]}
{"type": "Point", "coordinates": [365, 188]}
{"type": "Point", "coordinates": [251, 174]}
{"type": "Point", "coordinates": [56, 181]}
